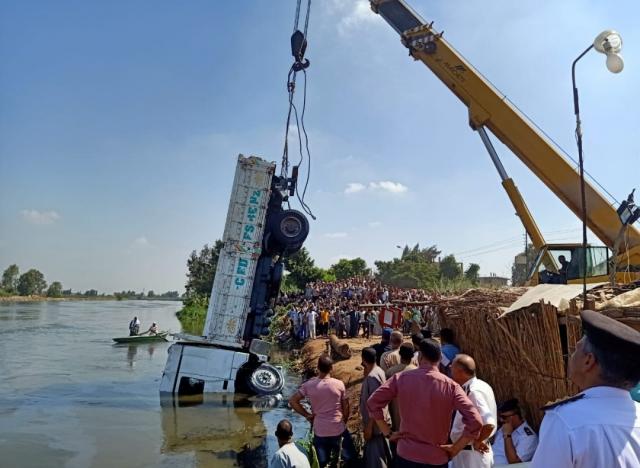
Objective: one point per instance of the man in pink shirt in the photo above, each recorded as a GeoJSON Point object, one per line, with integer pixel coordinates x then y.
{"type": "Point", "coordinates": [329, 413]}
{"type": "Point", "coordinates": [426, 401]}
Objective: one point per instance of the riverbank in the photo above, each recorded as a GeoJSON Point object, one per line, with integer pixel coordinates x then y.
{"type": "Point", "coordinates": [192, 318]}
{"type": "Point", "coordinates": [74, 298]}
{"type": "Point", "coordinates": [347, 370]}
{"type": "Point", "coordinates": [53, 299]}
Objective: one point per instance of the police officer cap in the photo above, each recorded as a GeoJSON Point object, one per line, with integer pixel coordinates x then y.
{"type": "Point", "coordinates": [509, 405]}
{"type": "Point", "coordinates": [608, 334]}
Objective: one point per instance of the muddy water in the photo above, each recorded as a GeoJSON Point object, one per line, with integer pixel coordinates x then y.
{"type": "Point", "coordinates": [71, 398]}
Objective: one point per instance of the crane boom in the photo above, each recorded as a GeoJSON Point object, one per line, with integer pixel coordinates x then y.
{"type": "Point", "coordinates": [522, 210]}
{"type": "Point", "coordinates": [489, 108]}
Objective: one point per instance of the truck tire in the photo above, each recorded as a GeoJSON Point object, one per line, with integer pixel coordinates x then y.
{"type": "Point", "coordinates": [289, 228]}
{"type": "Point", "coordinates": [265, 380]}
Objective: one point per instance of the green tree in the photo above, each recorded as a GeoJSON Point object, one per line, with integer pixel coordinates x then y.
{"type": "Point", "coordinates": [349, 268]}
{"type": "Point", "coordinates": [328, 276]}
{"type": "Point", "coordinates": [473, 273]}
{"type": "Point", "coordinates": [201, 270]}
{"type": "Point", "coordinates": [428, 255]}
{"type": "Point", "coordinates": [91, 293]}
{"type": "Point", "coordinates": [450, 268]}
{"type": "Point", "coordinates": [171, 294]}
{"type": "Point", "coordinates": [302, 269]}
{"type": "Point", "coordinates": [405, 273]}
{"type": "Point", "coordinates": [10, 279]}
{"type": "Point", "coordinates": [55, 289]}
{"type": "Point", "coordinates": [416, 268]}
{"type": "Point", "coordinates": [31, 283]}
{"type": "Point", "coordinates": [151, 294]}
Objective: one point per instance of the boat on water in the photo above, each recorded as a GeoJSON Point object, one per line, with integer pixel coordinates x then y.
{"type": "Point", "coordinates": [160, 336]}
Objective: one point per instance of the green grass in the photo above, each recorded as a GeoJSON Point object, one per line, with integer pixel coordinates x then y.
{"type": "Point", "coordinates": [192, 317]}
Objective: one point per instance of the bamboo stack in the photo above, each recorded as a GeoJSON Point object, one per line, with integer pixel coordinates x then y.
{"type": "Point", "coordinates": [524, 354]}
{"type": "Point", "coordinates": [520, 355]}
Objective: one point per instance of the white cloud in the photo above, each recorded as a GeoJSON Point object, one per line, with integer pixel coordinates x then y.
{"type": "Point", "coordinates": [380, 186]}
{"type": "Point", "coordinates": [354, 187]}
{"type": "Point", "coordinates": [374, 224]}
{"type": "Point", "coordinates": [141, 241]}
{"type": "Point", "coordinates": [388, 186]}
{"type": "Point", "coordinates": [336, 235]}
{"type": "Point", "coordinates": [355, 15]}
{"type": "Point", "coordinates": [40, 217]}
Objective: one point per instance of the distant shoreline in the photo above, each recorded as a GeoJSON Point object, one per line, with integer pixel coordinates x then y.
{"type": "Point", "coordinates": [75, 298]}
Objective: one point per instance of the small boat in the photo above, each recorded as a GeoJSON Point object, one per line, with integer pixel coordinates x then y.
{"type": "Point", "coordinates": [161, 336]}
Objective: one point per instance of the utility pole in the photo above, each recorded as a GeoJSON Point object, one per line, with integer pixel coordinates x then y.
{"type": "Point", "coordinates": [526, 253]}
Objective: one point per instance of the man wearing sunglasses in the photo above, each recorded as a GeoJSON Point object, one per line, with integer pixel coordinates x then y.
{"type": "Point", "coordinates": [515, 441]}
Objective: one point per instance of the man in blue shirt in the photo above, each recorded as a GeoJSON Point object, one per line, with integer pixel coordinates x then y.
{"type": "Point", "coordinates": [448, 347]}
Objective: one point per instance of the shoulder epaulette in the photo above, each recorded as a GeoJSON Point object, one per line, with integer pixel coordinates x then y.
{"type": "Point", "coordinates": [562, 401]}
{"type": "Point", "coordinates": [528, 431]}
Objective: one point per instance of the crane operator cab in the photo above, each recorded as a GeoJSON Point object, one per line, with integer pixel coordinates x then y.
{"type": "Point", "coordinates": [564, 264]}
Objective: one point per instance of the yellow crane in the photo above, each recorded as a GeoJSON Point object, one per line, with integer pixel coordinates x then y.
{"type": "Point", "coordinates": [489, 109]}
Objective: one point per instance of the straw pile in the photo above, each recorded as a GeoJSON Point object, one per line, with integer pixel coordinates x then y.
{"type": "Point", "coordinates": [524, 354]}
{"type": "Point", "coordinates": [521, 355]}
{"type": "Point", "coordinates": [621, 303]}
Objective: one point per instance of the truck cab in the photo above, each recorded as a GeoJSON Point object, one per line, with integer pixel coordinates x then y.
{"type": "Point", "coordinates": [259, 233]}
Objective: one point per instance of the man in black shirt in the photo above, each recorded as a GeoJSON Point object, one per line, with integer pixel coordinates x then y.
{"type": "Point", "coordinates": [383, 345]}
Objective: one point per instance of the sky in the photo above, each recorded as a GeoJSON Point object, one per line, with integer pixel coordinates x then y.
{"type": "Point", "coordinates": [121, 121]}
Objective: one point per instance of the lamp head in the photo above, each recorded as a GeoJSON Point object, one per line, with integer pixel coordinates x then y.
{"type": "Point", "coordinates": [609, 43]}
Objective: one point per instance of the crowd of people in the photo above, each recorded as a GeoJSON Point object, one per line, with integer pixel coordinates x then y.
{"type": "Point", "coordinates": [422, 405]}
{"type": "Point", "coordinates": [351, 308]}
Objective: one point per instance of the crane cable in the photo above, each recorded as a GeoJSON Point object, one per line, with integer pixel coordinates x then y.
{"type": "Point", "coordinates": [300, 64]}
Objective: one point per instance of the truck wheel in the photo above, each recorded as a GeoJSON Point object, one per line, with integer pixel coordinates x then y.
{"type": "Point", "coordinates": [289, 228]}
{"type": "Point", "coordinates": [265, 380]}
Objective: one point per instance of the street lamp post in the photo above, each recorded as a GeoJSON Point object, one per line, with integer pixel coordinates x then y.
{"type": "Point", "coordinates": [609, 43]}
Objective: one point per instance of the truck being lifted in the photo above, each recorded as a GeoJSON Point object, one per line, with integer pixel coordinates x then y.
{"type": "Point", "coordinates": [258, 234]}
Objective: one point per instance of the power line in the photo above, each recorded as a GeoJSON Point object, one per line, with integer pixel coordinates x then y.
{"type": "Point", "coordinates": [509, 241]}
{"type": "Point", "coordinates": [503, 246]}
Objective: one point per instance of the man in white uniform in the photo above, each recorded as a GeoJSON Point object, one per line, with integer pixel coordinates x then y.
{"type": "Point", "coordinates": [600, 426]}
{"type": "Point", "coordinates": [479, 454]}
{"type": "Point", "coordinates": [312, 315]}
{"type": "Point", "coordinates": [288, 455]}
{"type": "Point", "coordinates": [515, 441]}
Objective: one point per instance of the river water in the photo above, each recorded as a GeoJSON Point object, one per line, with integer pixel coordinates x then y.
{"type": "Point", "coordinates": [69, 397]}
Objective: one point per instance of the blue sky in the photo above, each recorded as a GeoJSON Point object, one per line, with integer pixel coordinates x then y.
{"type": "Point", "coordinates": [120, 123]}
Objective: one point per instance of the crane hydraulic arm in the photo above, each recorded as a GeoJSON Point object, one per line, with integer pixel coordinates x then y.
{"type": "Point", "coordinates": [491, 109]}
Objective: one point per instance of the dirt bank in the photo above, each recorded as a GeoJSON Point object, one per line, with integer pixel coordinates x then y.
{"type": "Point", "coordinates": [348, 370]}
{"type": "Point", "coordinates": [44, 298]}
